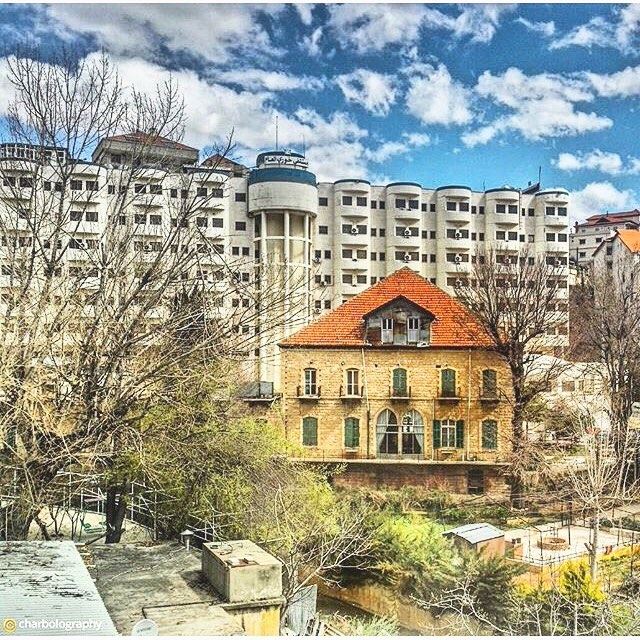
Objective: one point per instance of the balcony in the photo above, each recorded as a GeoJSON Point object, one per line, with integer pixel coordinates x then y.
{"type": "Point", "coordinates": [353, 211]}
{"type": "Point", "coordinates": [312, 396]}
{"type": "Point", "coordinates": [508, 219]}
{"type": "Point", "coordinates": [458, 244]}
{"type": "Point", "coordinates": [406, 241]}
{"type": "Point", "coordinates": [557, 247]}
{"type": "Point", "coordinates": [489, 395]}
{"type": "Point", "coordinates": [347, 395]}
{"type": "Point", "coordinates": [401, 394]}
{"type": "Point", "coordinates": [449, 395]}
{"type": "Point", "coordinates": [457, 216]}
{"type": "Point", "coordinates": [406, 213]}
{"type": "Point", "coordinates": [354, 264]}
{"type": "Point", "coordinates": [458, 267]}
{"type": "Point", "coordinates": [357, 239]}
{"type": "Point", "coordinates": [259, 392]}
{"type": "Point", "coordinates": [85, 195]}
{"type": "Point", "coordinates": [556, 221]}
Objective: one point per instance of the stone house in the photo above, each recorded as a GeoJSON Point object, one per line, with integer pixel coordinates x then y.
{"type": "Point", "coordinates": [402, 384]}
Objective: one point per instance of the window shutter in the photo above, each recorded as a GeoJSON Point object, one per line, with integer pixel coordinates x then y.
{"type": "Point", "coordinates": [459, 434]}
{"type": "Point", "coordinates": [351, 433]}
{"type": "Point", "coordinates": [436, 434]}
{"type": "Point", "coordinates": [399, 379]}
{"type": "Point", "coordinates": [448, 383]}
{"type": "Point", "coordinates": [310, 432]}
{"type": "Point", "coordinates": [489, 434]}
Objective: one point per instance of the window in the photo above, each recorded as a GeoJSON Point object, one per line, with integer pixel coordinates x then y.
{"type": "Point", "coordinates": [91, 216]}
{"type": "Point", "coordinates": [323, 230]}
{"type": "Point", "coordinates": [413, 328]}
{"type": "Point", "coordinates": [202, 192]}
{"type": "Point", "coordinates": [481, 210]}
{"type": "Point", "coordinates": [489, 383]}
{"type": "Point", "coordinates": [75, 185]}
{"type": "Point", "coordinates": [464, 206]}
{"type": "Point", "coordinates": [155, 219]}
{"type": "Point", "coordinates": [310, 431]}
{"type": "Point", "coordinates": [75, 216]}
{"type": "Point", "coordinates": [387, 433]}
{"type": "Point", "coordinates": [500, 235]}
{"type": "Point", "coordinates": [323, 202]}
{"type": "Point", "coordinates": [374, 204]}
{"type": "Point", "coordinates": [448, 383]}
{"type": "Point", "coordinates": [452, 206]}
{"type": "Point", "coordinates": [347, 278]}
{"type": "Point", "coordinates": [412, 434]}
{"type": "Point", "coordinates": [140, 218]}
{"type": "Point", "coordinates": [139, 188]}
{"type": "Point", "coordinates": [401, 203]}
{"type": "Point", "coordinates": [347, 253]}
{"type": "Point", "coordinates": [413, 204]}
{"type": "Point", "coordinates": [351, 433]}
{"type": "Point", "coordinates": [399, 383]}
{"type": "Point", "coordinates": [173, 193]}
{"type": "Point", "coordinates": [361, 201]}
{"type": "Point", "coordinates": [347, 201]}
{"type": "Point", "coordinates": [501, 208]}
{"type": "Point", "coordinates": [550, 211]}
{"type": "Point", "coordinates": [448, 434]}
{"type": "Point", "coordinates": [353, 382]}
{"type": "Point", "coordinates": [382, 204]}
{"type": "Point", "coordinates": [513, 208]}
{"type": "Point", "coordinates": [156, 189]}
{"type": "Point", "coordinates": [562, 211]}
{"type": "Point", "coordinates": [241, 197]}
{"type": "Point", "coordinates": [201, 222]}
{"type": "Point", "coordinates": [216, 222]}
{"type": "Point", "coordinates": [310, 382]}
{"type": "Point", "coordinates": [387, 331]}
{"type": "Point", "coordinates": [432, 208]}
{"type": "Point", "coordinates": [327, 254]}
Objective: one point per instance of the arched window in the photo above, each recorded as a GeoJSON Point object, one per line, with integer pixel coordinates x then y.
{"type": "Point", "coordinates": [489, 383]}
{"type": "Point", "coordinates": [310, 382]}
{"type": "Point", "coordinates": [489, 434]}
{"type": "Point", "coordinates": [387, 433]}
{"type": "Point", "coordinates": [412, 434]}
{"type": "Point", "coordinates": [351, 433]}
{"type": "Point", "coordinates": [400, 383]}
{"type": "Point", "coordinates": [310, 431]}
{"type": "Point", "coordinates": [448, 383]}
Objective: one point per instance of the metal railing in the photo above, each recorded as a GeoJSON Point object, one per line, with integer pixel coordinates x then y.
{"type": "Point", "coordinates": [300, 393]}
{"type": "Point", "coordinates": [345, 395]}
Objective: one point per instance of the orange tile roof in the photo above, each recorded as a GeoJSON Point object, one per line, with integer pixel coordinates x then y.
{"type": "Point", "coordinates": [630, 238]}
{"type": "Point", "coordinates": [454, 326]}
{"type": "Point", "coordinates": [140, 137]}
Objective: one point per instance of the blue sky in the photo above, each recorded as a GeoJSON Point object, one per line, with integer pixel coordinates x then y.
{"type": "Point", "coordinates": [439, 94]}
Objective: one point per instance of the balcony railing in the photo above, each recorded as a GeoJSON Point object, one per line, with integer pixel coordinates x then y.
{"type": "Point", "coordinates": [258, 392]}
{"type": "Point", "coordinates": [347, 393]}
{"type": "Point", "coordinates": [400, 393]}
{"type": "Point", "coordinates": [314, 393]}
{"type": "Point", "coordinates": [489, 394]}
{"type": "Point", "coordinates": [449, 395]}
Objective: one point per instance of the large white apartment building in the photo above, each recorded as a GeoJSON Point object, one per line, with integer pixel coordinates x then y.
{"type": "Point", "coordinates": [332, 240]}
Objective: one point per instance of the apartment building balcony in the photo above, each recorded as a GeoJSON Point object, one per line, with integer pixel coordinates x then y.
{"type": "Point", "coordinates": [457, 216]}
{"type": "Point", "coordinates": [449, 396]}
{"type": "Point", "coordinates": [351, 395]}
{"type": "Point", "coordinates": [352, 211]}
{"type": "Point", "coordinates": [556, 247]}
{"type": "Point", "coordinates": [85, 195]}
{"type": "Point", "coordinates": [354, 287]}
{"type": "Point", "coordinates": [488, 395]}
{"type": "Point", "coordinates": [506, 219]}
{"type": "Point", "coordinates": [16, 193]}
{"type": "Point", "coordinates": [356, 239]}
{"type": "Point", "coordinates": [556, 221]}
{"type": "Point", "coordinates": [459, 244]}
{"type": "Point", "coordinates": [354, 264]}
{"type": "Point", "coordinates": [148, 200]}
{"type": "Point", "coordinates": [458, 267]}
{"type": "Point", "coordinates": [207, 203]}
{"type": "Point", "coordinates": [258, 392]}
{"type": "Point", "coordinates": [406, 213]}
{"type": "Point", "coordinates": [407, 241]}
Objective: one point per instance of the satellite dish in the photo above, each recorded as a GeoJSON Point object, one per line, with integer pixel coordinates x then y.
{"type": "Point", "coordinates": [145, 627]}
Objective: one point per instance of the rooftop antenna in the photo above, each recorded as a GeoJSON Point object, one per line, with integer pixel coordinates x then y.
{"type": "Point", "coordinates": [539, 175]}
{"type": "Point", "coordinates": [276, 133]}
{"type": "Point", "coordinates": [304, 145]}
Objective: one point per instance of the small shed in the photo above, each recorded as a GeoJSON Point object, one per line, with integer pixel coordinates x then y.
{"type": "Point", "coordinates": [481, 537]}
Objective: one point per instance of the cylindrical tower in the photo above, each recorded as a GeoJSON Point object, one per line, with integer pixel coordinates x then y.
{"type": "Point", "coordinates": [282, 200]}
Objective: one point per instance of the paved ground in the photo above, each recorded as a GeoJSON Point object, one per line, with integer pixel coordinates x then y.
{"type": "Point", "coordinates": [577, 537]}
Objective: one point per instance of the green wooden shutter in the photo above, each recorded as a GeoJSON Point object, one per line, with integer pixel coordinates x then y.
{"type": "Point", "coordinates": [351, 433]}
{"type": "Point", "coordinates": [436, 434]}
{"type": "Point", "coordinates": [489, 383]}
{"type": "Point", "coordinates": [459, 434]}
{"type": "Point", "coordinates": [448, 383]}
{"type": "Point", "coordinates": [489, 434]}
{"type": "Point", "coordinates": [310, 432]}
{"type": "Point", "coordinates": [399, 381]}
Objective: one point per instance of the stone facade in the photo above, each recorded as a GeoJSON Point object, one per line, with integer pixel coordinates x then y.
{"type": "Point", "coordinates": [414, 459]}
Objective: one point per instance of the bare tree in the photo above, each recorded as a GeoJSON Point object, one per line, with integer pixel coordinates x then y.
{"type": "Point", "coordinates": [515, 297]}
{"type": "Point", "coordinates": [609, 304]}
{"type": "Point", "coordinates": [111, 278]}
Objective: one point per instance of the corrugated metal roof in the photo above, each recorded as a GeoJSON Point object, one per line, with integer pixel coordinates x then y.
{"type": "Point", "coordinates": [47, 584]}
{"type": "Point", "coordinates": [477, 532]}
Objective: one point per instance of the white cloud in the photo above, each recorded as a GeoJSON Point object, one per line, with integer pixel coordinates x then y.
{"type": "Point", "coordinates": [214, 32]}
{"type": "Point", "coordinates": [434, 97]}
{"type": "Point", "coordinates": [620, 84]}
{"type": "Point", "coordinates": [546, 29]}
{"type": "Point", "coordinates": [311, 43]}
{"type": "Point", "coordinates": [305, 11]}
{"type": "Point", "coordinates": [621, 31]}
{"type": "Point", "coordinates": [598, 197]}
{"type": "Point", "coordinates": [6, 88]}
{"type": "Point", "coordinates": [376, 92]}
{"type": "Point", "coordinates": [540, 106]}
{"type": "Point", "coordinates": [269, 80]}
{"type": "Point", "coordinates": [596, 160]}
{"type": "Point", "coordinates": [372, 27]}
{"type": "Point", "coordinates": [387, 150]}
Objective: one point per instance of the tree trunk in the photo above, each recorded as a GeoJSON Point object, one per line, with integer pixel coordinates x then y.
{"type": "Point", "coordinates": [593, 555]}
{"type": "Point", "coordinates": [115, 511]}
{"type": "Point", "coordinates": [15, 521]}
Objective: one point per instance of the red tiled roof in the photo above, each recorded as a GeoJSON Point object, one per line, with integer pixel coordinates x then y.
{"type": "Point", "coordinates": [221, 162]}
{"type": "Point", "coordinates": [630, 238]}
{"type": "Point", "coordinates": [140, 137]}
{"type": "Point", "coordinates": [611, 218]}
{"type": "Point", "coordinates": [454, 326]}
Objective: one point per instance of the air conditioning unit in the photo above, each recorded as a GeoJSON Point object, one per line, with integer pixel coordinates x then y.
{"type": "Point", "coordinates": [422, 345]}
{"type": "Point", "coordinates": [354, 259]}
{"type": "Point", "coordinates": [354, 231]}
{"type": "Point", "coordinates": [457, 235]}
{"type": "Point", "coordinates": [407, 257]}
{"type": "Point", "coordinates": [458, 282]}
{"type": "Point", "coordinates": [323, 283]}
{"type": "Point", "coordinates": [558, 263]}
{"type": "Point", "coordinates": [407, 233]}
{"type": "Point", "coordinates": [458, 258]}
{"type": "Point", "coordinates": [317, 260]}
{"type": "Point", "coordinates": [317, 312]}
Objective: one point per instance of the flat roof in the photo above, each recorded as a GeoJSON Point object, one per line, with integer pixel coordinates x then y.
{"type": "Point", "coordinates": [476, 532]}
{"type": "Point", "coordinates": [47, 584]}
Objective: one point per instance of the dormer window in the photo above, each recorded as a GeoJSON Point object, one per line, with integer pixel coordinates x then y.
{"type": "Point", "coordinates": [413, 329]}
{"type": "Point", "coordinates": [387, 331]}
{"type": "Point", "coordinates": [400, 322]}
